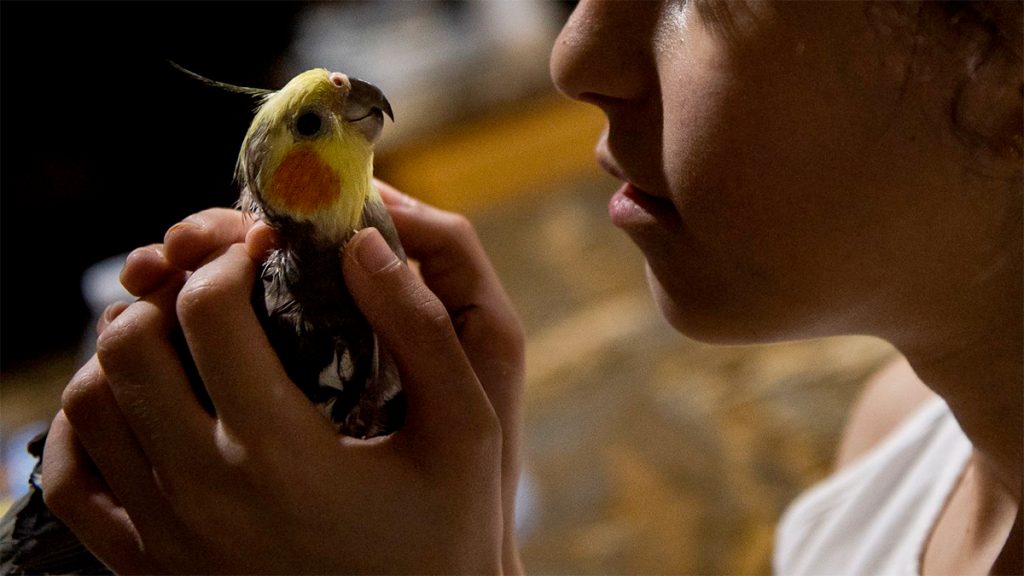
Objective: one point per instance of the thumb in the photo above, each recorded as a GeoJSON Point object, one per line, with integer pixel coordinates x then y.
{"type": "Point", "coordinates": [442, 390]}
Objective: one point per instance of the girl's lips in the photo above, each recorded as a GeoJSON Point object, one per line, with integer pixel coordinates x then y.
{"type": "Point", "coordinates": [631, 208]}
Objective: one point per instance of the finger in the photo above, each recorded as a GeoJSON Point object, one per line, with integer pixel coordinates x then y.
{"type": "Point", "coordinates": [442, 389]}
{"type": "Point", "coordinates": [150, 382]}
{"type": "Point", "coordinates": [109, 314]}
{"type": "Point", "coordinates": [452, 260]}
{"type": "Point", "coordinates": [456, 268]}
{"type": "Point", "coordinates": [260, 241]}
{"type": "Point", "coordinates": [191, 242]}
{"type": "Point", "coordinates": [145, 269]}
{"type": "Point", "coordinates": [90, 407]}
{"type": "Point", "coordinates": [81, 499]}
{"type": "Point", "coordinates": [237, 364]}
{"type": "Point", "coordinates": [391, 195]}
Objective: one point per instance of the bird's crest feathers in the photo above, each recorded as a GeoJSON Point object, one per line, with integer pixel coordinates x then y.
{"type": "Point", "coordinates": [256, 92]}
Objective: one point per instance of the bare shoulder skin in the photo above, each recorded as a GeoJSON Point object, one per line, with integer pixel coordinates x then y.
{"type": "Point", "coordinates": [889, 397]}
{"type": "Point", "coordinates": [969, 541]}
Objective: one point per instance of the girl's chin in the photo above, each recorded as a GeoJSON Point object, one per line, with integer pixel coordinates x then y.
{"type": "Point", "coordinates": [688, 318]}
{"type": "Point", "coordinates": [666, 305]}
{"type": "Point", "coordinates": [705, 317]}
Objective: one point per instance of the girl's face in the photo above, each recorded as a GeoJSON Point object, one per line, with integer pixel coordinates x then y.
{"type": "Point", "coordinates": [786, 175]}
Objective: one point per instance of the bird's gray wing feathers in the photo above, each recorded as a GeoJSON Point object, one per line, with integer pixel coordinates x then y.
{"type": "Point", "coordinates": [325, 343]}
{"type": "Point", "coordinates": [34, 541]}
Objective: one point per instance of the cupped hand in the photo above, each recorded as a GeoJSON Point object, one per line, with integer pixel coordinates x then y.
{"type": "Point", "coordinates": [152, 482]}
{"type": "Point", "coordinates": [453, 264]}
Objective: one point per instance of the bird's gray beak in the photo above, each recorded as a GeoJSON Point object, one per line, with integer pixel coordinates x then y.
{"type": "Point", "coordinates": [365, 107]}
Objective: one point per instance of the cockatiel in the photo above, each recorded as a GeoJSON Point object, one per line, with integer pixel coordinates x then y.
{"type": "Point", "coordinates": [306, 168]}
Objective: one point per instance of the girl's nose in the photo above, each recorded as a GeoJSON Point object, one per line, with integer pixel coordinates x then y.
{"type": "Point", "coordinates": [605, 51]}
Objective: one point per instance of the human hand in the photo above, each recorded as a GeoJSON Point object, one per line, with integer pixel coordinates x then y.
{"type": "Point", "coordinates": [433, 500]}
{"type": "Point", "coordinates": [453, 264]}
{"type": "Point", "coordinates": [191, 243]}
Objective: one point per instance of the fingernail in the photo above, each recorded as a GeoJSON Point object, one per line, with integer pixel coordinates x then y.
{"type": "Point", "coordinates": [142, 252]}
{"type": "Point", "coordinates": [395, 199]}
{"type": "Point", "coordinates": [185, 224]}
{"type": "Point", "coordinates": [260, 241]}
{"type": "Point", "coordinates": [372, 253]}
{"type": "Point", "coordinates": [114, 310]}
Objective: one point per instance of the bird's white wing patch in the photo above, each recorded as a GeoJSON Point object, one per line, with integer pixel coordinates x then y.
{"type": "Point", "coordinates": [330, 376]}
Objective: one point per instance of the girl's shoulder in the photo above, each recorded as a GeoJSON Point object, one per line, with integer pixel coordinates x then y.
{"type": "Point", "coordinates": [888, 398]}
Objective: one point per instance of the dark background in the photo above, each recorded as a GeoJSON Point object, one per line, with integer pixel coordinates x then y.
{"type": "Point", "coordinates": [104, 145]}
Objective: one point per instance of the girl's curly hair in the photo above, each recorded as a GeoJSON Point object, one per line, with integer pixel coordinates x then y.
{"type": "Point", "coordinates": [993, 34]}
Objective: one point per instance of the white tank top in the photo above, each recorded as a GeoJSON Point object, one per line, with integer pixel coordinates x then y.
{"type": "Point", "coordinates": [874, 516]}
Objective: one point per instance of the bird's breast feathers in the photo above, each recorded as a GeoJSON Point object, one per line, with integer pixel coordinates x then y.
{"type": "Point", "coordinates": [303, 183]}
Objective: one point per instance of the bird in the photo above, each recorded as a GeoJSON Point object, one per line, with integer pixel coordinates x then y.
{"type": "Point", "coordinates": [305, 168]}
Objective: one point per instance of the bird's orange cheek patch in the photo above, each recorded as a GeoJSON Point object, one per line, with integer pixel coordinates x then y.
{"type": "Point", "coordinates": [302, 183]}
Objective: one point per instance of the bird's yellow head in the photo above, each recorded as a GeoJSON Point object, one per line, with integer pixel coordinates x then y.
{"type": "Point", "coordinates": [308, 154]}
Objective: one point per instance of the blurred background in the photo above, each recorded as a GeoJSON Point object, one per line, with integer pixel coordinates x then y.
{"type": "Point", "coordinates": [644, 452]}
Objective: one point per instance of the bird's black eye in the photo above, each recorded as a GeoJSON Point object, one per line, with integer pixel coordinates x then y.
{"type": "Point", "coordinates": [308, 124]}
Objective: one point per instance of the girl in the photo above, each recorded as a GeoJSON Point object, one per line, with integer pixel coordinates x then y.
{"type": "Point", "coordinates": [791, 170]}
